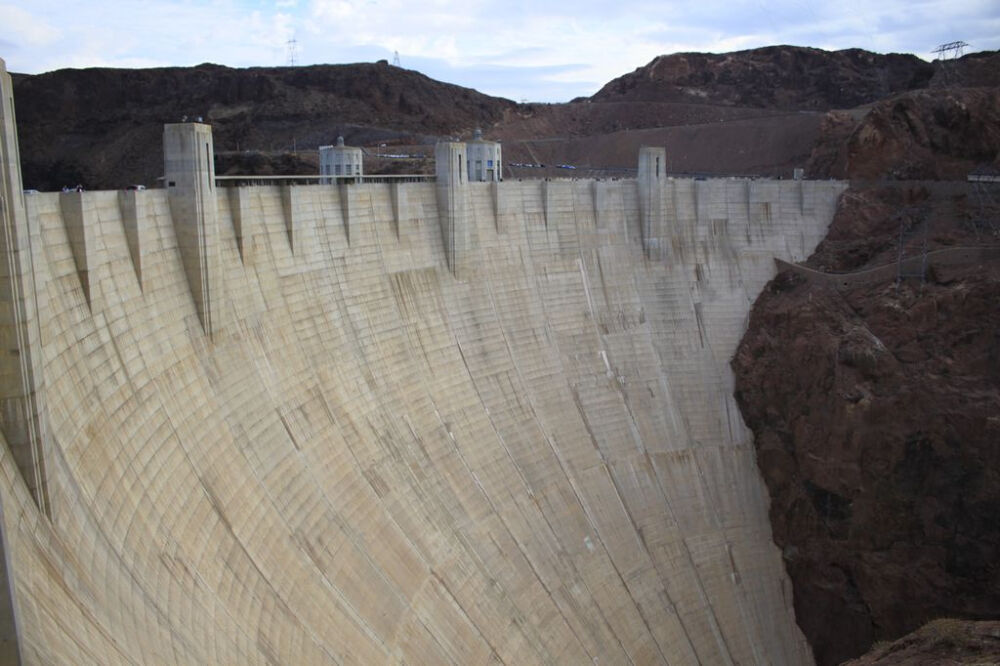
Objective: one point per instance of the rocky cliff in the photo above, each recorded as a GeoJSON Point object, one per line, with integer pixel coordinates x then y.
{"type": "Point", "coordinates": [923, 135]}
{"type": "Point", "coordinates": [875, 413]}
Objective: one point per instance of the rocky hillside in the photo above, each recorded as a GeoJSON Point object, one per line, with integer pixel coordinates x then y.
{"type": "Point", "coordinates": [875, 408]}
{"type": "Point", "coordinates": [936, 134]}
{"type": "Point", "coordinates": [779, 77]}
{"type": "Point", "coordinates": [874, 398]}
{"type": "Point", "coordinates": [103, 127]}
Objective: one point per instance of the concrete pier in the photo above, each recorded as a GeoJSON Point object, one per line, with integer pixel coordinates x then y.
{"type": "Point", "coordinates": [189, 175]}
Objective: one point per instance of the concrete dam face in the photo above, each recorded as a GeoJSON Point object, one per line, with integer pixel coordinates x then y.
{"type": "Point", "coordinates": [441, 422]}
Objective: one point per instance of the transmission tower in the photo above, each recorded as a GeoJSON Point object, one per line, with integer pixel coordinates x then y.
{"type": "Point", "coordinates": [946, 53]}
{"type": "Point", "coordinates": [951, 50]}
{"type": "Point", "coordinates": [395, 59]}
{"type": "Point", "coordinates": [292, 45]}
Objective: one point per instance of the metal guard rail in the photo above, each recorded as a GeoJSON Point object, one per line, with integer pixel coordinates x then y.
{"type": "Point", "coordinates": [318, 179]}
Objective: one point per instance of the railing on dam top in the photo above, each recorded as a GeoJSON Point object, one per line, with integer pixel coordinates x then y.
{"type": "Point", "coordinates": [319, 179]}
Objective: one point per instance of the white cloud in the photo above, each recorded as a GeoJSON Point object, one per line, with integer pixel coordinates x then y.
{"type": "Point", "coordinates": [22, 27]}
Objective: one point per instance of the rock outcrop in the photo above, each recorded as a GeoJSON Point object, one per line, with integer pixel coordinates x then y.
{"type": "Point", "coordinates": [945, 641]}
{"type": "Point", "coordinates": [779, 77]}
{"type": "Point", "coordinates": [924, 135]}
{"type": "Point", "coordinates": [875, 412]}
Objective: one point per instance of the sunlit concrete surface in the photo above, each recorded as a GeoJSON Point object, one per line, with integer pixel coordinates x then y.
{"type": "Point", "coordinates": [529, 453]}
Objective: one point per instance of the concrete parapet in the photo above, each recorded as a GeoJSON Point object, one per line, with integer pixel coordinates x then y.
{"type": "Point", "coordinates": [21, 380]}
{"type": "Point", "coordinates": [189, 172]}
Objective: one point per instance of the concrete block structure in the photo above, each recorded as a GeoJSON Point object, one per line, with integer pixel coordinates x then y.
{"type": "Point", "coordinates": [483, 159]}
{"type": "Point", "coordinates": [340, 161]}
{"type": "Point", "coordinates": [454, 422]}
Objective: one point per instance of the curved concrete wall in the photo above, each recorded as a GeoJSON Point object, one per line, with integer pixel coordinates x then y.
{"type": "Point", "coordinates": [372, 461]}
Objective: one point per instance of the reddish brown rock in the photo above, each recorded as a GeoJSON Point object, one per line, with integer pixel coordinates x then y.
{"type": "Point", "coordinates": [777, 77]}
{"type": "Point", "coordinates": [945, 642]}
{"type": "Point", "coordinates": [924, 135]}
{"type": "Point", "coordinates": [876, 412]}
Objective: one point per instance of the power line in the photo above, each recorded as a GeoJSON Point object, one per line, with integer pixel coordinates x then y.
{"type": "Point", "coordinates": [951, 50]}
{"type": "Point", "coordinates": [947, 53]}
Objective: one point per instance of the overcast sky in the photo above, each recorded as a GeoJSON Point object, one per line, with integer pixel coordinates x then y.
{"type": "Point", "coordinates": [534, 50]}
